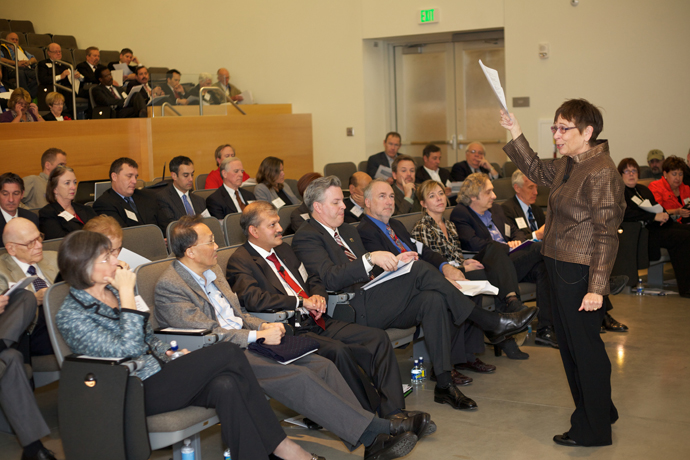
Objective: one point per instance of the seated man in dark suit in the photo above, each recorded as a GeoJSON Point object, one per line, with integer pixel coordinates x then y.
{"type": "Point", "coordinates": [45, 74]}
{"type": "Point", "coordinates": [88, 70]}
{"type": "Point", "coordinates": [480, 221]}
{"type": "Point", "coordinates": [475, 162]}
{"type": "Point", "coordinates": [124, 202]}
{"type": "Point", "coordinates": [406, 200]}
{"type": "Point", "coordinates": [193, 292]}
{"type": "Point", "coordinates": [334, 251]}
{"type": "Point", "coordinates": [391, 145]}
{"type": "Point", "coordinates": [431, 169]}
{"type": "Point", "coordinates": [142, 79]}
{"type": "Point", "coordinates": [266, 275]}
{"type": "Point", "coordinates": [209, 96]}
{"type": "Point", "coordinates": [108, 95]}
{"type": "Point", "coordinates": [17, 399]}
{"type": "Point", "coordinates": [126, 57]}
{"type": "Point", "coordinates": [11, 194]}
{"type": "Point", "coordinates": [175, 199]}
{"type": "Point", "coordinates": [173, 88]}
{"type": "Point", "coordinates": [379, 232]}
{"type": "Point", "coordinates": [229, 198]}
{"type": "Point", "coordinates": [522, 211]}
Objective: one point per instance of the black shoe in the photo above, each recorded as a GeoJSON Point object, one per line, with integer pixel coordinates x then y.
{"type": "Point", "coordinates": [43, 454]}
{"type": "Point", "coordinates": [546, 336]}
{"type": "Point", "coordinates": [386, 447]}
{"type": "Point", "coordinates": [565, 440]}
{"type": "Point", "coordinates": [612, 325]}
{"type": "Point", "coordinates": [511, 323]}
{"type": "Point", "coordinates": [511, 349]}
{"type": "Point", "coordinates": [617, 284]}
{"type": "Point", "coordinates": [414, 421]}
{"type": "Point", "coordinates": [454, 397]}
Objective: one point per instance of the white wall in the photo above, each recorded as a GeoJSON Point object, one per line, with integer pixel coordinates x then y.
{"type": "Point", "coordinates": [629, 57]}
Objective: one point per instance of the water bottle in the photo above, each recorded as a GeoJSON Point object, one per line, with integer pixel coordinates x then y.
{"type": "Point", "coordinates": [187, 451]}
{"type": "Point", "coordinates": [176, 354]}
{"type": "Point", "coordinates": [416, 373]}
{"type": "Point", "coordinates": [640, 287]}
{"type": "Point", "coordinates": [226, 454]}
{"type": "Point", "coordinates": [421, 366]}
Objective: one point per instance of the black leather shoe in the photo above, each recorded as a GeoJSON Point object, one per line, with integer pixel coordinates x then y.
{"type": "Point", "coordinates": [386, 447]}
{"type": "Point", "coordinates": [454, 397]}
{"type": "Point", "coordinates": [414, 421]}
{"type": "Point", "coordinates": [511, 349]}
{"type": "Point", "coordinates": [546, 336]}
{"type": "Point", "coordinates": [43, 454]}
{"type": "Point", "coordinates": [565, 440]}
{"type": "Point", "coordinates": [511, 323]}
{"type": "Point", "coordinates": [617, 284]}
{"type": "Point", "coordinates": [612, 325]}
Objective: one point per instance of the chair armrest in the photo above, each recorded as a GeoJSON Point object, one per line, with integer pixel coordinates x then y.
{"type": "Point", "coordinates": [191, 339]}
{"type": "Point", "coordinates": [274, 316]}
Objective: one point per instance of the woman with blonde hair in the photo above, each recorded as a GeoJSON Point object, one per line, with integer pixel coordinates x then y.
{"type": "Point", "coordinates": [56, 102]}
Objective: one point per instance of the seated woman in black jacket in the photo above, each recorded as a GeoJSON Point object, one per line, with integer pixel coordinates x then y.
{"type": "Point", "coordinates": [61, 216]}
{"type": "Point", "coordinates": [663, 232]}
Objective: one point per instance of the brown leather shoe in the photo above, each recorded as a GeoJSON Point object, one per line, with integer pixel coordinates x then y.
{"type": "Point", "coordinates": [477, 366]}
{"type": "Point", "coordinates": [458, 378]}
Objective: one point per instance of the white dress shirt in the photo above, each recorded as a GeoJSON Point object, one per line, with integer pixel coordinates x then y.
{"type": "Point", "coordinates": [233, 197]}
{"type": "Point", "coordinates": [263, 253]}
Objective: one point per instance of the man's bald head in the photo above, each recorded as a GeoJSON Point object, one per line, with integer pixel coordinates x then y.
{"type": "Point", "coordinates": [223, 76]}
{"type": "Point", "coordinates": [358, 182]}
{"type": "Point", "coordinates": [19, 233]}
{"type": "Point", "coordinates": [12, 37]}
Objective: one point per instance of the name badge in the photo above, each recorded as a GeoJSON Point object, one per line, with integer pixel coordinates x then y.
{"type": "Point", "coordinates": [65, 215]}
{"type": "Point", "coordinates": [49, 65]}
{"type": "Point", "coordinates": [205, 213]}
{"type": "Point", "coordinates": [131, 215]}
{"type": "Point", "coordinates": [303, 273]}
{"type": "Point", "coordinates": [636, 200]}
{"type": "Point", "coordinates": [140, 304]}
{"type": "Point", "coordinates": [507, 230]}
{"type": "Point", "coordinates": [304, 216]}
{"type": "Point", "coordinates": [278, 203]}
{"type": "Point", "coordinates": [520, 222]}
{"type": "Point", "coordinates": [419, 245]}
{"type": "Point", "coordinates": [448, 184]}
{"type": "Point", "coordinates": [356, 210]}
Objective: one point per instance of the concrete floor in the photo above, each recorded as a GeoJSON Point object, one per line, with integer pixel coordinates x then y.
{"type": "Point", "coordinates": [525, 403]}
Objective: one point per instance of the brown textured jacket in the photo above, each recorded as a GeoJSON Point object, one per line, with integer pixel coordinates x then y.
{"type": "Point", "coordinates": [584, 211]}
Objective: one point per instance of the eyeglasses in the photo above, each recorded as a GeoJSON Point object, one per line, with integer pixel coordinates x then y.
{"type": "Point", "coordinates": [476, 151]}
{"type": "Point", "coordinates": [213, 241]}
{"type": "Point", "coordinates": [630, 171]}
{"type": "Point", "coordinates": [32, 244]}
{"type": "Point", "coordinates": [561, 129]}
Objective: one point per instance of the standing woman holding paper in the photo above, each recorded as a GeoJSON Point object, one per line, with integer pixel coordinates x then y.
{"type": "Point", "coordinates": [586, 206]}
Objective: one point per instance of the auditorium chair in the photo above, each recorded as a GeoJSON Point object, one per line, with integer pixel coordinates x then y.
{"type": "Point", "coordinates": [52, 245]}
{"type": "Point", "coordinates": [503, 189]}
{"type": "Point", "coordinates": [284, 214]}
{"type": "Point", "coordinates": [108, 56]}
{"type": "Point", "coordinates": [232, 229]}
{"type": "Point", "coordinates": [509, 168]}
{"type": "Point", "coordinates": [65, 41]}
{"type": "Point", "coordinates": [101, 406]}
{"type": "Point", "coordinates": [204, 193]}
{"type": "Point", "coordinates": [145, 240]}
{"type": "Point", "coordinates": [21, 26]}
{"type": "Point", "coordinates": [4, 24]}
{"type": "Point", "coordinates": [41, 40]}
{"type": "Point", "coordinates": [200, 181]}
{"type": "Point", "coordinates": [342, 170]}
{"type": "Point", "coordinates": [79, 55]}
{"type": "Point", "coordinates": [99, 112]}
{"type": "Point", "coordinates": [362, 166]}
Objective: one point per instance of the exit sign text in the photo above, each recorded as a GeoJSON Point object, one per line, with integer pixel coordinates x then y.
{"type": "Point", "coordinates": [428, 16]}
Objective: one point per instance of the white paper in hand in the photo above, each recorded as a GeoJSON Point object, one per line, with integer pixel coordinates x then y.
{"type": "Point", "coordinates": [495, 82]}
{"type": "Point", "coordinates": [403, 269]}
{"type": "Point", "coordinates": [472, 288]}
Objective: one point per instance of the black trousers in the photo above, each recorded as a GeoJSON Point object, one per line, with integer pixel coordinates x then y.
{"type": "Point", "coordinates": [365, 358]}
{"type": "Point", "coordinates": [675, 238]}
{"type": "Point", "coordinates": [586, 363]}
{"type": "Point", "coordinates": [500, 272]}
{"type": "Point", "coordinates": [530, 268]}
{"type": "Point", "coordinates": [219, 376]}
{"type": "Point", "coordinates": [423, 296]}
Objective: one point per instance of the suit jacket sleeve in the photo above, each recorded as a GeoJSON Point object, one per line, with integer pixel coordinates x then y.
{"type": "Point", "coordinates": [106, 205]}
{"type": "Point", "coordinates": [262, 193]}
{"type": "Point", "coordinates": [166, 209]}
{"type": "Point", "coordinates": [216, 206]}
{"type": "Point", "coordinates": [512, 210]}
{"type": "Point", "coordinates": [402, 206]}
{"type": "Point", "coordinates": [467, 229]}
{"type": "Point", "coordinates": [501, 221]}
{"type": "Point", "coordinates": [103, 98]}
{"type": "Point", "coordinates": [458, 172]}
{"type": "Point", "coordinates": [50, 223]}
{"type": "Point", "coordinates": [373, 165]}
{"type": "Point", "coordinates": [26, 214]}
{"type": "Point", "coordinates": [313, 249]}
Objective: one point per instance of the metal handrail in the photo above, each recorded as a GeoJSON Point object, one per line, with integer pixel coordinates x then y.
{"type": "Point", "coordinates": [168, 104]}
{"type": "Point", "coordinates": [16, 59]}
{"type": "Point", "coordinates": [56, 85]}
{"type": "Point", "coordinates": [214, 88]}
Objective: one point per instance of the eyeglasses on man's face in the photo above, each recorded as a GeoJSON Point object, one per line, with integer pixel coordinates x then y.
{"type": "Point", "coordinates": [32, 244]}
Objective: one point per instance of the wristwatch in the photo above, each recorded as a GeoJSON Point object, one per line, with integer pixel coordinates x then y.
{"type": "Point", "coordinates": [300, 302]}
{"type": "Point", "coordinates": [367, 257]}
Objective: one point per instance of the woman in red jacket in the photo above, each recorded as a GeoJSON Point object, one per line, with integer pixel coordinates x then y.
{"type": "Point", "coordinates": [670, 191]}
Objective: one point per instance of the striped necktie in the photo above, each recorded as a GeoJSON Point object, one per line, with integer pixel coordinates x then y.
{"type": "Point", "coordinates": [348, 253]}
{"type": "Point", "coordinates": [532, 220]}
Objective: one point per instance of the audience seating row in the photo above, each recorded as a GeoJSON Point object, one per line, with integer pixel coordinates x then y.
{"type": "Point", "coordinates": [16, 25]}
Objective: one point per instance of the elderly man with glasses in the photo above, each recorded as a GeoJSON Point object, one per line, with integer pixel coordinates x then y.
{"type": "Point", "coordinates": [475, 162]}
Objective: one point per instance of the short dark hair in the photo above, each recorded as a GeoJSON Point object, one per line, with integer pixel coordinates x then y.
{"type": "Point", "coordinates": [221, 147]}
{"type": "Point", "coordinates": [175, 163]}
{"type": "Point", "coordinates": [125, 51]}
{"type": "Point", "coordinates": [392, 133]}
{"type": "Point", "coordinates": [91, 48]}
{"type": "Point", "coordinates": [141, 67]}
{"type": "Point", "coordinates": [183, 236]}
{"type": "Point", "coordinates": [11, 178]}
{"type": "Point", "coordinates": [251, 216]}
{"type": "Point", "coordinates": [429, 149]}
{"type": "Point", "coordinates": [53, 180]}
{"type": "Point", "coordinates": [673, 163]}
{"type": "Point", "coordinates": [77, 255]}
{"type": "Point", "coordinates": [169, 74]}
{"type": "Point", "coordinates": [625, 162]}
{"type": "Point", "coordinates": [399, 159]}
{"type": "Point", "coordinates": [99, 72]}
{"type": "Point", "coordinates": [50, 155]}
{"type": "Point", "coordinates": [116, 166]}
{"type": "Point", "coordinates": [582, 113]}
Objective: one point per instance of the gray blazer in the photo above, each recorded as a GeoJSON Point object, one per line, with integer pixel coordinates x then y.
{"type": "Point", "coordinates": [181, 302]}
{"type": "Point", "coordinates": [11, 273]}
{"type": "Point", "coordinates": [35, 191]}
{"type": "Point", "coordinates": [262, 193]}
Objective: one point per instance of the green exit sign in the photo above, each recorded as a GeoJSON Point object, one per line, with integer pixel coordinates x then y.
{"type": "Point", "coordinates": [429, 16]}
